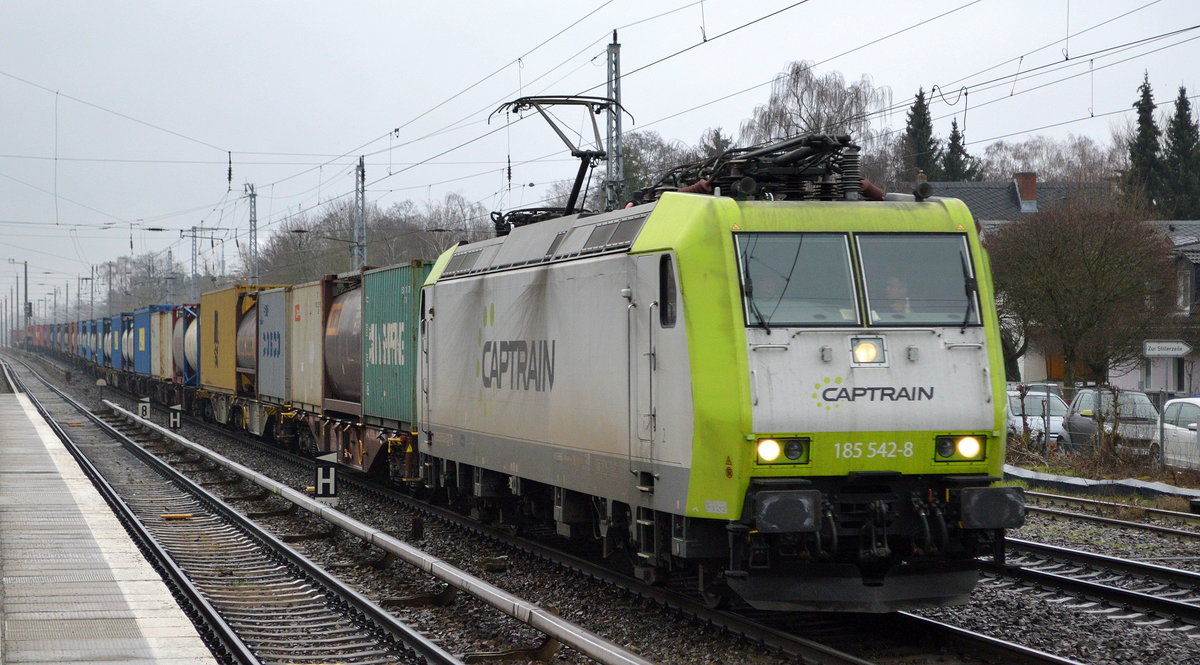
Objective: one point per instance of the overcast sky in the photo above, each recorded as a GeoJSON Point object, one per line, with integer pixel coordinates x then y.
{"type": "Point", "coordinates": [116, 117]}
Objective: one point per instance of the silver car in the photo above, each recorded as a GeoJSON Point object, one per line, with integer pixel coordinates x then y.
{"type": "Point", "coordinates": [1033, 412]}
{"type": "Point", "coordinates": [1179, 431]}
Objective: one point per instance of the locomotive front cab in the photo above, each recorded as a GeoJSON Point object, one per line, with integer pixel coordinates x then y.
{"type": "Point", "coordinates": [870, 423]}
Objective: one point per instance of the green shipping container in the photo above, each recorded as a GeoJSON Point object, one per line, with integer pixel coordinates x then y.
{"type": "Point", "coordinates": [391, 314]}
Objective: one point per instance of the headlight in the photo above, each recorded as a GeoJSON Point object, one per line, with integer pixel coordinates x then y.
{"type": "Point", "coordinates": [969, 447]}
{"type": "Point", "coordinates": [868, 351]}
{"type": "Point", "coordinates": [793, 450]}
{"type": "Point", "coordinates": [945, 447]}
{"type": "Point", "coordinates": [960, 448]}
{"type": "Point", "coordinates": [768, 450]}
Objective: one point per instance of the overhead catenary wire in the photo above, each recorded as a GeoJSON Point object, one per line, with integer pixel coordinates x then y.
{"type": "Point", "coordinates": [427, 162]}
{"type": "Point", "coordinates": [673, 115]}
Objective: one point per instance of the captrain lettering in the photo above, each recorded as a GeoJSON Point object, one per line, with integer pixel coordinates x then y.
{"type": "Point", "coordinates": [518, 364]}
{"type": "Point", "coordinates": [878, 394]}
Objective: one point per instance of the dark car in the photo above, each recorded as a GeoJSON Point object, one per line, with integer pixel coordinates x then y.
{"type": "Point", "coordinates": [1132, 413]}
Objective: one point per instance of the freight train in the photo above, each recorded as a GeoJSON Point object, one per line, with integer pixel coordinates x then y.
{"type": "Point", "coordinates": [769, 376]}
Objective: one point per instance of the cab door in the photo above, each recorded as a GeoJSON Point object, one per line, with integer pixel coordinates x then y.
{"type": "Point", "coordinates": [653, 309]}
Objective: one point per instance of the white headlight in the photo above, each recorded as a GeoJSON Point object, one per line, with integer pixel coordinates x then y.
{"type": "Point", "coordinates": [868, 350]}
{"type": "Point", "coordinates": [768, 450]}
{"type": "Point", "coordinates": [969, 447]}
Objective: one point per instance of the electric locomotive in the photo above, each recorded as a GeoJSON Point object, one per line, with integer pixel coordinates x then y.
{"type": "Point", "coordinates": [759, 376]}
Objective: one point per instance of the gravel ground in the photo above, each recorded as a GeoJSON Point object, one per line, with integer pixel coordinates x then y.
{"type": "Point", "coordinates": [1036, 619]}
{"type": "Point", "coordinates": [1024, 617]}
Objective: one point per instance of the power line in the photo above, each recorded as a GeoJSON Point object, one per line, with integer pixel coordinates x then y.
{"type": "Point", "coordinates": [116, 113]}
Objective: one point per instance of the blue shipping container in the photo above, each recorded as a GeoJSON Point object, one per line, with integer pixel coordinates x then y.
{"type": "Point", "coordinates": [141, 341]}
{"type": "Point", "coordinates": [116, 329]}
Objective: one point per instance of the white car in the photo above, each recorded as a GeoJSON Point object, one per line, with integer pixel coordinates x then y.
{"type": "Point", "coordinates": [1033, 411]}
{"type": "Point", "coordinates": [1179, 431]}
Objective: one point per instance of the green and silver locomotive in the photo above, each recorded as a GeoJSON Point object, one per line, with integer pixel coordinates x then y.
{"type": "Point", "coordinates": [760, 377]}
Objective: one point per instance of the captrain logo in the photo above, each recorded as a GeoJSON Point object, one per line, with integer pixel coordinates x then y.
{"type": "Point", "coordinates": [831, 393]}
{"type": "Point", "coordinates": [516, 364]}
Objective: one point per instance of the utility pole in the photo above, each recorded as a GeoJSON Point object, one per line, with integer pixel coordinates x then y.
{"type": "Point", "coordinates": [253, 233]}
{"type": "Point", "coordinates": [615, 176]}
{"type": "Point", "coordinates": [26, 306]}
{"type": "Point", "coordinates": [360, 225]}
{"type": "Point", "coordinates": [196, 235]}
{"type": "Point", "coordinates": [171, 276]}
{"type": "Point", "coordinates": [92, 306]}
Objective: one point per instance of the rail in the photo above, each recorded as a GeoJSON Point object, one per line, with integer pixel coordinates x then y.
{"type": "Point", "coordinates": [564, 631]}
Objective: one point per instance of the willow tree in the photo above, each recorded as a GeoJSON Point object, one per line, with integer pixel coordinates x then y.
{"type": "Point", "coordinates": [802, 102]}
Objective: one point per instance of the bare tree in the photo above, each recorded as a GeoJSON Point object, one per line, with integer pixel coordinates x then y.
{"type": "Point", "coordinates": [802, 102]}
{"type": "Point", "coordinates": [1074, 159]}
{"type": "Point", "coordinates": [1090, 281]}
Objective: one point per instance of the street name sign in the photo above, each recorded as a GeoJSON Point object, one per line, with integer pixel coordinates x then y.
{"type": "Point", "coordinates": [1165, 348]}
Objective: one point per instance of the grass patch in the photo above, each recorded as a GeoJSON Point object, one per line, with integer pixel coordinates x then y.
{"type": "Point", "coordinates": [1104, 463]}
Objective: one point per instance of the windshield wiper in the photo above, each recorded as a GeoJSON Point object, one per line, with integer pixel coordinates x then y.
{"type": "Point", "coordinates": [971, 286]}
{"type": "Point", "coordinates": [749, 282]}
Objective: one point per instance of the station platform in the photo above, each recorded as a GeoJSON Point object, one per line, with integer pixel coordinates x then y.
{"type": "Point", "coordinates": [74, 588]}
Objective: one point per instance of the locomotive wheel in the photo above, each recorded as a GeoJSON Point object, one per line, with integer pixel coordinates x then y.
{"type": "Point", "coordinates": [716, 593]}
{"type": "Point", "coordinates": [717, 596]}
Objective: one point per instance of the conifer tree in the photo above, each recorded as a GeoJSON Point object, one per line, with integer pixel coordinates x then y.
{"type": "Point", "coordinates": [956, 163]}
{"type": "Point", "coordinates": [1143, 181]}
{"type": "Point", "coordinates": [924, 152]}
{"type": "Point", "coordinates": [1181, 163]}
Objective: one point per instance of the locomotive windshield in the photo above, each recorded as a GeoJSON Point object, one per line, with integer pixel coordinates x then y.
{"type": "Point", "coordinates": [796, 279]}
{"type": "Point", "coordinates": [807, 279]}
{"type": "Point", "coordinates": [918, 279]}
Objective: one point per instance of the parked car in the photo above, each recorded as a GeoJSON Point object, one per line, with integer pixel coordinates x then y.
{"type": "Point", "coordinates": [1032, 411]}
{"type": "Point", "coordinates": [1052, 388]}
{"type": "Point", "coordinates": [1131, 411]}
{"type": "Point", "coordinates": [1180, 416]}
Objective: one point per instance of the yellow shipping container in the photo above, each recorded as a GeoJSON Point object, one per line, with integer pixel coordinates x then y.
{"type": "Point", "coordinates": [220, 312]}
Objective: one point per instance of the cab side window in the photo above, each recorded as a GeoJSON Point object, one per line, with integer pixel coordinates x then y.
{"type": "Point", "coordinates": [666, 293]}
{"type": "Point", "coordinates": [1086, 401]}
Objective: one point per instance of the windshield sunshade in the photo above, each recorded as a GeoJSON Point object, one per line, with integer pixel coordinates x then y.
{"type": "Point", "coordinates": [915, 279]}
{"type": "Point", "coordinates": [791, 279]}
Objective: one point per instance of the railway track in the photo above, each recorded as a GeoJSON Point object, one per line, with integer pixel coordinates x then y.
{"type": "Point", "coordinates": [1183, 525]}
{"type": "Point", "coordinates": [1164, 597]}
{"type": "Point", "coordinates": [813, 638]}
{"type": "Point", "coordinates": [895, 638]}
{"type": "Point", "coordinates": [271, 605]}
